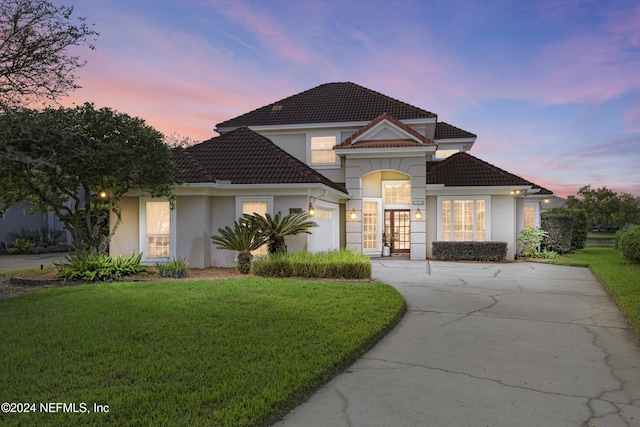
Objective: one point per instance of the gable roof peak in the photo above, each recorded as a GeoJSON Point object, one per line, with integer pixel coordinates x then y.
{"type": "Point", "coordinates": [361, 134]}
{"type": "Point", "coordinates": [338, 102]}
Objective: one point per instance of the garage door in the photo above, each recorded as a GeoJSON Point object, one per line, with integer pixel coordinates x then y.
{"type": "Point", "coordinates": [325, 236]}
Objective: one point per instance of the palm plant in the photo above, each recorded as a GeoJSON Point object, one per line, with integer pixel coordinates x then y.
{"type": "Point", "coordinates": [242, 238]}
{"type": "Point", "coordinates": [275, 229]}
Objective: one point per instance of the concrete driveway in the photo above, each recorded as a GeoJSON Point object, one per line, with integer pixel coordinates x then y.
{"type": "Point", "coordinates": [20, 262]}
{"type": "Point", "coordinates": [514, 344]}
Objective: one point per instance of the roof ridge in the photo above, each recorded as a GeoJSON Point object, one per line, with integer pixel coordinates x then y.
{"type": "Point", "coordinates": [387, 97]}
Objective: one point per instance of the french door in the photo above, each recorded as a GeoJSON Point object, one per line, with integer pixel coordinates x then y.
{"type": "Point", "coordinates": [397, 225]}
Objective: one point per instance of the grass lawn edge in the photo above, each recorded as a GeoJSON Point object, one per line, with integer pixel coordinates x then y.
{"type": "Point", "coordinates": [334, 372]}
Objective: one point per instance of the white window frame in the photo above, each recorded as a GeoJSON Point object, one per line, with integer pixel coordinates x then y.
{"type": "Point", "coordinates": [487, 215]}
{"type": "Point", "coordinates": [333, 165]}
{"type": "Point", "coordinates": [536, 214]}
{"type": "Point", "coordinates": [380, 221]}
{"type": "Point", "coordinates": [142, 221]}
{"type": "Point", "coordinates": [241, 199]}
{"type": "Point", "coordinates": [396, 205]}
{"type": "Point", "coordinates": [267, 199]}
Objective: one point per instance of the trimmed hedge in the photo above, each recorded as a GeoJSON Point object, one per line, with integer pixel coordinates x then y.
{"type": "Point", "coordinates": [628, 243]}
{"type": "Point", "coordinates": [342, 264]}
{"type": "Point", "coordinates": [580, 225]}
{"type": "Point", "coordinates": [559, 229]}
{"type": "Point", "coordinates": [470, 251]}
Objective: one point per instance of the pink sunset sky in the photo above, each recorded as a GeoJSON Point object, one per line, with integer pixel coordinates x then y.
{"type": "Point", "coordinates": [551, 87]}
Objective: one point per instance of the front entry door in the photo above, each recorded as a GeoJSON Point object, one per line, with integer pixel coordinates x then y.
{"type": "Point", "coordinates": [397, 225]}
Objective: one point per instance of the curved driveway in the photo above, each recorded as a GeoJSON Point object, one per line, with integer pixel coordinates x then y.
{"type": "Point", "coordinates": [513, 344]}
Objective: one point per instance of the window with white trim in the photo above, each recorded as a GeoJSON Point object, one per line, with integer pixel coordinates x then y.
{"type": "Point", "coordinates": [464, 220]}
{"type": "Point", "coordinates": [320, 150]}
{"type": "Point", "coordinates": [251, 205]}
{"type": "Point", "coordinates": [157, 229]}
{"type": "Point", "coordinates": [397, 192]}
{"type": "Point", "coordinates": [531, 215]}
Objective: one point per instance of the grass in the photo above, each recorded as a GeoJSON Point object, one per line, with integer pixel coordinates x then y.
{"type": "Point", "coordinates": [235, 352]}
{"type": "Point", "coordinates": [618, 276]}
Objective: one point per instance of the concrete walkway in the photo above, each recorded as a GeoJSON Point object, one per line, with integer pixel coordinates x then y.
{"type": "Point", "coordinates": [514, 344]}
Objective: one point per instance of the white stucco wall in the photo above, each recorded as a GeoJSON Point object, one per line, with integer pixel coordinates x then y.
{"type": "Point", "coordinates": [503, 222]}
{"type": "Point", "coordinates": [126, 239]}
{"type": "Point", "coordinates": [193, 231]}
{"type": "Point", "coordinates": [431, 216]}
{"type": "Point", "coordinates": [223, 213]}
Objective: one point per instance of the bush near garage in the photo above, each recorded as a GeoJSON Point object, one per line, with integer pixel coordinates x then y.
{"type": "Point", "coordinates": [559, 229]}
{"type": "Point", "coordinates": [580, 225]}
{"type": "Point", "coordinates": [470, 251]}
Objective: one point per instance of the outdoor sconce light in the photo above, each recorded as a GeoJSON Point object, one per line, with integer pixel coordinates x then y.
{"type": "Point", "coordinates": [353, 215]}
{"type": "Point", "coordinates": [312, 211]}
{"type": "Point", "coordinates": [418, 214]}
{"type": "Point", "coordinates": [102, 195]}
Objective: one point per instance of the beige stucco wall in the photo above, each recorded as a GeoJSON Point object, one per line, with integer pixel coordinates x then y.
{"type": "Point", "coordinates": [126, 240]}
{"type": "Point", "coordinates": [431, 216]}
{"type": "Point", "coordinates": [503, 222]}
{"type": "Point", "coordinates": [193, 220]}
{"type": "Point", "coordinates": [223, 213]}
{"type": "Point", "coordinates": [362, 175]}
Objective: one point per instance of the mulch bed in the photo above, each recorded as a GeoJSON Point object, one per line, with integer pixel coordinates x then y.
{"type": "Point", "coordinates": [29, 281]}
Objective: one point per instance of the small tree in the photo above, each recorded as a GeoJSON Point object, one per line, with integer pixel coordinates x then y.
{"type": "Point", "coordinates": [78, 162]}
{"type": "Point", "coordinates": [275, 229]}
{"type": "Point", "coordinates": [243, 239]}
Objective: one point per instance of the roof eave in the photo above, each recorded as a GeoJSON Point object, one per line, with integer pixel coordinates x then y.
{"type": "Point", "coordinates": [298, 126]}
{"type": "Point", "coordinates": [391, 152]}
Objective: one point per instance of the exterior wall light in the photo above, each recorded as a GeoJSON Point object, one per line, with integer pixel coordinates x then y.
{"type": "Point", "coordinates": [418, 214]}
{"type": "Point", "coordinates": [102, 195]}
{"type": "Point", "coordinates": [312, 210]}
{"type": "Point", "coordinates": [353, 215]}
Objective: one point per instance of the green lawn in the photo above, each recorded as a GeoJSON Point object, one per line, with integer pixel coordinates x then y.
{"type": "Point", "coordinates": [618, 276]}
{"type": "Point", "coordinates": [233, 352]}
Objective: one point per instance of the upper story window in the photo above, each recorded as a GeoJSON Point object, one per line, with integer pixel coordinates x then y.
{"type": "Point", "coordinates": [397, 192]}
{"type": "Point", "coordinates": [320, 149]}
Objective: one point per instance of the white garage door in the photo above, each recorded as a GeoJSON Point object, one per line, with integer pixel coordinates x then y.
{"type": "Point", "coordinates": [325, 236]}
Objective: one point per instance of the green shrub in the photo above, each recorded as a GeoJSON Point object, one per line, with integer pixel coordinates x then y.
{"type": "Point", "coordinates": [529, 242]}
{"type": "Point", "coordinates": [628, 242]}
{"type": "Point", "coordinates": [175, 268]}
{"type": "Point", "coordinates": [559, 229]}
{"type": "Point", "coordinates": [21, 246]}
{"type": "Point", "coordinates": [342, 264]}
{"type": "Point", "coordinates": [470, 251]}
{"type": "Point", "coordinates": [580, 229]}
{"type": "Point", "coordinates": [87, 267]}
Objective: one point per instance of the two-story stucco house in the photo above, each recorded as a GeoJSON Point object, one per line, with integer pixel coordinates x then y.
{"type": "Point", "coordinates": [363, 162]}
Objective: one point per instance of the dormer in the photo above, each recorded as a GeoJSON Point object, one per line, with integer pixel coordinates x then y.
{"type": "Point", "coordinates": [386, 136]}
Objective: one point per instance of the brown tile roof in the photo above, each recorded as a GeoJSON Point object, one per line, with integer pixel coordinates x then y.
{"type": "Point", "coordinates": [328, 103]}
{"type": "Point", "coordinates": [348, 143]}
{"type": "Point", "coordinates": [244, 157]}
{"type": "Point", "coordinates": [447, 131]}
{"type": "Point", "coordinates": [465, 170]}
